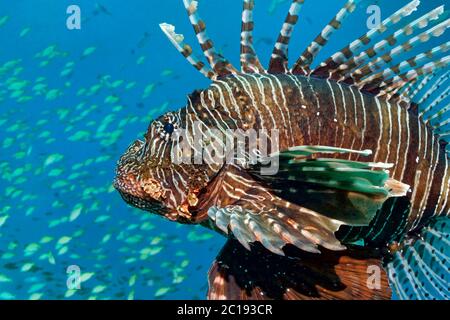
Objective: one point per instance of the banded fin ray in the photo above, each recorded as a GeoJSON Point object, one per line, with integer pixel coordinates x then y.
{"type": "Point", "coordinates": [372, 82]}
{"type": "Point", "coordinates": [380, 62]}
{"type": "Point", "coordinates": [249, 60]}
{"type": "Point", "coordinates": [279, 59]}
{"type": "Point", "coordinates": [431, 97]}
{"type": "Point", "coordinates": [419, 268]}
{"type": "Point", "coordinates": [414, 91]}
{"type": "Point", "coordinates": [388, 88]}
{"type": "Point", "coordinates": [219, 64]}
{"type": "Point", "coordinates": [428, 110]}
{"type": "Point", "coordinates": [257, 215]}
{"type": "Point", "coordinates": [389, 85]}
{"type": "Point", "coordinates": [343, 55]}
{"type": "Point", "coordinates": [377, 54]}
{"type": "Point", "coordinates": [436, 85]}
{"type": "Point", "coordinates": [186, 50]}
{"type": "Point", "coordinates": [302, 65]}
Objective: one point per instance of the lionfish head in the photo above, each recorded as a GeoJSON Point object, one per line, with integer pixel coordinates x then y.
{"type": "Point", "coordinates": [149, 179]}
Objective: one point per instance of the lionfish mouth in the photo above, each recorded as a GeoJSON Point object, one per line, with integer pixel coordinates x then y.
{"type": "Point", "coordinates": [136, 201]}
{"type": "Point", "coordinates": [130, 188]}
{"type": "Point", "coordinates": [147, 205]}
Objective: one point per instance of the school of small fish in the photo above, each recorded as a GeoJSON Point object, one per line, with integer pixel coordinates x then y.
{"type": "Point", "coordinates": [59, 140]}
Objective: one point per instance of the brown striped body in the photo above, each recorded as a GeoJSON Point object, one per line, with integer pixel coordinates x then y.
{"type": "Point", "coordinates": [310, 111]}
{"type": "Point", "coordinates": [361, 104]}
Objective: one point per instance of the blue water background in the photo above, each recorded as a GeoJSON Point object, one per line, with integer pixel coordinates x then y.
{"type": "Point", "coordinates": [122, 252]}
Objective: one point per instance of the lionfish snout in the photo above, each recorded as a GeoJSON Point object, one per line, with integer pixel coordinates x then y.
{"type": "Point", "coordinates": [138, 190]}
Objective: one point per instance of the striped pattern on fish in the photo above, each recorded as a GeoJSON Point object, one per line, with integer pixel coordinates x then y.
{"type": "Point", "coordinates": [340, 115]}
{"type": "Point", "coordinates": [362, 148]}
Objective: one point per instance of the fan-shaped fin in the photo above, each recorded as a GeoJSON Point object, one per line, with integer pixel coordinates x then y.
{"type": "Point", "coordinates": [399, 95]}
{"type": "Point", "coordinates": [219, 64]}
{"type": "Point", "coordinates": [436, 86]}
{"type": "Point", "coordinates": [424, 80]}
{"type": "Point", "coordinates": [279, 59]}
{"type": "Point", "coordinates": [373, 81]}
{"type": "Point", "coordinates": [420, 265]}
{"type": "Point", "coordinates": [387, 86]}
{"type": "Point", "coordinates": [428, 97]}
{"type": "Point", "coordinates": [343, 55]}
{"type": "Point", "coordinates": [249, 60]}
{"type": "Point", "coordinates": [408, 92]}
{"type": "Point", "coordinates": [240, 274]}
{"type": "Point", "coordinates": [383, 61]}
{"type": "Point", "coordinates": [429, 113]}
{"type": "Point", "coordinates": [347, 69]}
{"type": "Point", "coordinates": [303, 63]}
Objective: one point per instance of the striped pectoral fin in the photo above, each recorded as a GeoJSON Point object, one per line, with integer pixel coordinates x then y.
{"type": "Point", "coordinates": [250, 213]}
{"type": "Point", "coordinates": [276, 226]}
{"type": "Point", "coordinates": [258, 274]}
{"type": "Point", "coordinates": [348, 191]}
{"type": "Point", "coordinates": [420, 266]}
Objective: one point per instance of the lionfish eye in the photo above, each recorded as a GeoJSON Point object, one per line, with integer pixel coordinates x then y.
{"type": "Point", "coordinates": [169, 127]}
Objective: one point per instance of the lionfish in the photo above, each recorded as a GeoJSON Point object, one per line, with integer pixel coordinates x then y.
{"type": "Point", "coordinates": [358, 208]}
